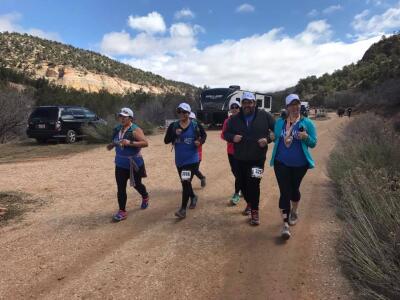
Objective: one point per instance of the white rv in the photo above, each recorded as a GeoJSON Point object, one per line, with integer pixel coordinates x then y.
{"type": "Point", "coordinates": [213, 103]}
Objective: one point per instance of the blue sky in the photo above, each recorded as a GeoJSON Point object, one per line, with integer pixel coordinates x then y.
{"type": "Point", "coordinates": [263, 45]}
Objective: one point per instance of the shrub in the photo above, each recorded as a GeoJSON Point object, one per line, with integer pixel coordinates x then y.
{"type": "Point", "coordinates": [365, 168]}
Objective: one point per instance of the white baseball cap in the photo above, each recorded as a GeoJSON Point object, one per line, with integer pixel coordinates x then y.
{"type": "Point", "coordinates": [248, 96]}
{"type": "Point", "coordinates": [234, 101]}
{"type": "Point", "coordinates": [126, 112]}
{"type": "Point", "coordinates": [185, 107]}
{"type": "Point", "coordinates": [290, 98]}
{"type": "Point", "coordinates": [192, 115]}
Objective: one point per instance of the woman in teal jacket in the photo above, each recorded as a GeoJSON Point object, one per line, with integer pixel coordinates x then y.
{"type": "Point", "coordinates": [291, 158]}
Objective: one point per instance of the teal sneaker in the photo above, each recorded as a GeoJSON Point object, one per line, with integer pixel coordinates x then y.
{"type": "Point", "coordinates": [235, 199]}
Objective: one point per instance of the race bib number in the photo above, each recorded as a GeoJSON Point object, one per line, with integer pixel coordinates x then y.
{"type": "Point", "coordinates": [257, 172]}
{"type": "Point", "coordinates": [186, 175]}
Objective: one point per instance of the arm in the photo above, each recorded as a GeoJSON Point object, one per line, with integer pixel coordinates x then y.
{"type": "Point", "coordinates": [203, 134]}
{"type": "Point", "coordinates": [311, 140]}
{"type": "Point", "coordinates": [111, 145]}
{"type": "Point", "coordinates": [224, 129]}
{"type": "Point", "coordinates": [228, 133]}
{"type": "Point", "coordinates": [140, 139]}
{"type": "Point", "coordinates": [271, 124]}
{"type": "Point", "coordinates": [170, 135]}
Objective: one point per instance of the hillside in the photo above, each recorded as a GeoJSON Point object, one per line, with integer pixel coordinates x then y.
{"type": "Point", "coordinates": [75, 68]}
{"type": "Point", "coordinates": [373, 79]}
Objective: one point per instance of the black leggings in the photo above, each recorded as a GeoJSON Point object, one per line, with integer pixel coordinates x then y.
{"type": "Point", "coordinates": [122, 175]}
{"type": "Point", "coordinates": [198, 173]}
{"type": "Point", "coordinates": [250, 186]}
{"type": "Point", "coordinates": [187, 190]}
{"type": "Point", "coordinates": [232, 162]}
{"type": "Point", "coordinates": [289, 180]}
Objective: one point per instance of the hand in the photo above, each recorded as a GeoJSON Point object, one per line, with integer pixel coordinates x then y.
{"type": "Point", "coordinates": [303, 135]}
{"type": "Point", "coordinates": [178, 131]}
{"type": "Point", "coordinates": [110, 146]}
{"type": "Point", "coordinates": [125, 142]}
{"type": "Point", "coordinates": [272, 135]}
{"type": "Point", "coordinates": [197, 143]}
{"type": "Point", "coordinates": [237, 138]}
{"type": "Point", "coordinates": [262, 142]}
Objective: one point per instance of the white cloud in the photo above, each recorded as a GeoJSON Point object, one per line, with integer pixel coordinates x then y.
{"type": "Point", "coordinates": [9, 22]}
{"type": "Point", "coordinates": [313, 13]}
{"type": "Point", "coordinates": [245, 8]}
{"type": "Point", "coordinates": [152, 23]}
{"type": "Point", "coordinates": [366, 25]}
{"type": "Point", "coordinates": [332, 9]}
{"type": "Point", "coordinates": [181, 37]}
{"type": "Point", "coordinates": [267, 62]}
{"type": "Point", "coordinates": [316, 31]}
{"type": "Point", "coordinates": [184, 13]}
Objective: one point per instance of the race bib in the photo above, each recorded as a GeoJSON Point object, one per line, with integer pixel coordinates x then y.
{"type": "Point", "coordinates": [186, 175]}
{"type": "Point", "coordinates": [257, 172]}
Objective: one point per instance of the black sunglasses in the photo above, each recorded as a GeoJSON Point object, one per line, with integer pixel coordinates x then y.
{"type": "Point", "coordinates": [234, 107]}
{"type": "Point", "coordinates": [181, 111]}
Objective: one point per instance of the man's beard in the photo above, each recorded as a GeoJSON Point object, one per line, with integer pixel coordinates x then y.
{"type": "Point", "coordinates": [248, 110]}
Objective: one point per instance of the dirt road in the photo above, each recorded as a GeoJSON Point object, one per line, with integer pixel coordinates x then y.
{"type": "Point", "coordinates": [69, 249]}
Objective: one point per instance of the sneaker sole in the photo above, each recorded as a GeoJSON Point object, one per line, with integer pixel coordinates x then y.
{"type": "Point", "coordinates": [179, 216]}
{"type": "Point", "coordinates": [118, 220]}
{"type": "Point", "coordinates": [292, 223]}
{"type": "Point", "coordinates": [285, 236]}
{"type": "Point", "coordinates": [254, 223]}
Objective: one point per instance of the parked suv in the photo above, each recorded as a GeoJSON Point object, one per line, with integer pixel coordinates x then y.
{"type": "Point", "coordinates": [60, 122]}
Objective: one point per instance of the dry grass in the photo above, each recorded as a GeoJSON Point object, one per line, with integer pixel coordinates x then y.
{"type": "Point", "coordinates": [30, 150]}
{"type": "Point", "coordinates": [17, 204]}
{"type": "Point", "coordinates": [365, 168]}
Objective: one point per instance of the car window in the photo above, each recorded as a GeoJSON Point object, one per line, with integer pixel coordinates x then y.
{"type": "Point", "coordinates": [49, 113]}
{"type": "Point", "coordinates": [89, 114]}
{"type": "Point", "coordinates": [77, 112]}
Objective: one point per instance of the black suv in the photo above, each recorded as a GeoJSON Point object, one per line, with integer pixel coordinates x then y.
{"type": "Point", "coordinates": [60, 122]}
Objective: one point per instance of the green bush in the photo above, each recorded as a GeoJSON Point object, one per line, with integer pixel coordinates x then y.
{"type": "Point", "coordinates": [365, 168]}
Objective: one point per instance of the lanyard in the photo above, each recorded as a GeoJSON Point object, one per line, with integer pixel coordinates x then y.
{"type": "Point", "coordinates": [290, 129]}
{"type": "Point", "coordinates": [122, 133]}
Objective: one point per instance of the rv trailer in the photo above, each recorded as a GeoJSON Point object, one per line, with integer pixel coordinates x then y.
{"type": "Point", "coordinates": [213, 104]}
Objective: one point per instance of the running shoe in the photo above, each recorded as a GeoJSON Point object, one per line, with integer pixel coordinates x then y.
{"type": "Point", "coordinates": [193, 202]}
{"type": "Point", "coordinates": [285, 233]}
{"type": "Point", "coordinates": [181, 214]}
{"type": "Point", "coordinates": [254, 217]}
{"type": "Point", "coordinates": [293, 218]}
{"type": "Point", "coordinates": [120, 215]}
{"type": "Point", "coordinates": [247, 210]}
{"type": "Point", "coordinates": [235, 199]}
{"type": "Point", "coordinates": [203, 181]}
{"type": "Point", "coordinates": [145, 203]}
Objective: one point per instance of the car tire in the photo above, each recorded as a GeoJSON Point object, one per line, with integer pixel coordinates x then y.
{"type": "Point", "coordinates": [41, 141]}
{"type": "Point", "coordinates": [71, 137]}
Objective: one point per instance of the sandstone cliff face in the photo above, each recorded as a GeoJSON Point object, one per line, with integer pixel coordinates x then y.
{"type": "Point", "coordinates": [92, 82]}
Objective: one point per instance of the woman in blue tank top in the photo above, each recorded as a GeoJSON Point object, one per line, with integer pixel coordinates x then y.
{"type": "Point", "coordinates": [128, 139]}
{"type": "Point", "coordinates": [291, 159]}
{"type": "Point", "coordinates": [186, 135]}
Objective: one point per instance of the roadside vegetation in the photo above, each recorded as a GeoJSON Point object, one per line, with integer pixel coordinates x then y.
{"type": "Point", "coordinates": [17, 204]}
{"type": "Point", "coordinates": [365, 169]}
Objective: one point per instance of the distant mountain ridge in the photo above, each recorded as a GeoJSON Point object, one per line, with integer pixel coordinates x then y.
{"type": "Point", "coordinates": [377, 71]}
{"type": "Point", "coordinates": [79, 69]}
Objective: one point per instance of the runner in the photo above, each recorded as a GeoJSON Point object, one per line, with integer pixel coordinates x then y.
{"type": "Point", "coordinates": [249, 130]}
{"type": "Point", "coordinates": [291, 159]}
{"type": "Point", "coordinates": [186, 135]}
{"type": "Point", "coordinates": [3, 211]}
{"type": "Point", "coordinates": [234, 107]}
{"type": "Point", "coordinates": [128, 139]}
{"type": "Point", "coordinates": [198, 174]}
{"type": "Point", "coordinates": [349, 110]}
